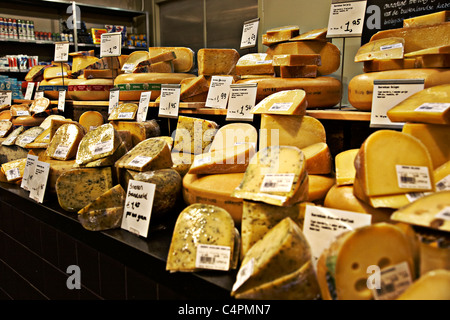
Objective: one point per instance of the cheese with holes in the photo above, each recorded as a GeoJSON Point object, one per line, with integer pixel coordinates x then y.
{"type": "Point", "coordinates": [390, 162]}
{"type": "Point", "coordinates": [254, 63]}
{"type": "Point", "coordinates": [76, 188]}
{"type": "Point", "coordinates": [427, 19]}
{"type": "Point", "coordinates": [124, 111]}
{"type": "Point", "coordinates": [91, 119]}
{"type": "Point", "coordinates": [297, 131]}
{"type": "Point", "coordinates": [430, 105]}
{"type": "Point", "coordinates": [431, 211]}
{"type": "Point", "coordinates": [283, 250]}
{"type": "Point", "coordinates": [342, 268]}
{"type": "Point", "coordinates": [435, 137]}
{"type": "Point", "coordinates": [199, 224]}
{"type": "Point", "coordinates": [288, 102]}
{"type": "Point", "coordinates": [150, 154]}
{"type": "Point", "coordinates": [297, 60]}
{"type": "Point", "coordinates": [314, 34]}
{"type": "Point", "coordinates": [140, 130]}
{"type": "Point", "coordinates": [318, 158]}
{"type": "Point", "coordinates": [345, 167]}
{"type": "Point", "coordinates": [360, 87]}
{"type": "Point", "coordinates": [64, 144]}
{"type": "Point", "coordinates": [114, 197]}
{"type": "Point", "coordinates": [184, 61]}
{"type": "Point", "coordinates": [433, 285]}
{"type": "Point", "coordinates": [386, 48]}
{"type": "Point", "coordinates": [389, 64]}
{"type": "Point", "coordinates": [217, 61]}
{"type": "Point", "coordinates": [275, 175]}
{"type": "Point", "coordinates": [194, 135]}
{"type": "Point", "coordinates": [233, 134]}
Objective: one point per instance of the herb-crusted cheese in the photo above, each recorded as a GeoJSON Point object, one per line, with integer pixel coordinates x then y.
{"type": "Point", "coordinates": [28, 136]}
{"type": "Point", "coordinates": [193, 135]}
{"type": "Point", "coordinates": [107, 161]}
{"type": "Point", "coordinates": [64, 144]}
{"type": "Point", "coordinates": [199, 224]}
{"type": "Point", "coordinates": [102, 219]}
{"type": "Point", "coordinates": [5, 127]}
{"type": "Point", "coordinates": [77, 188]}
{"type": "Point", "coordinates": [125, 111]}
{"type": "Point", "coordinates": [114, 197]}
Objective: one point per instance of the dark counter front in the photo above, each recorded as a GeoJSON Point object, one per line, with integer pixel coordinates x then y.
{"type": "Point", "coordinates": [41, 247]}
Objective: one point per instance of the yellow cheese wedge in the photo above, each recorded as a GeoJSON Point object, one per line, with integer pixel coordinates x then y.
{"type": "Point", "coordinates": [193, 86]}
{"type": "Point", "coordinates": [389, 64]}
{"type": "Point", "coordinates": [288, 102]}
{"type": "Point", "coordinates": [314, 34]}
{"type": "Point", "coordinates": [427, 19]}
{"type": "Point", "coordinates": [344, 167]}
{"type": "Point", "coordinates": [217, 61]}
{"type": "Point", "coordinates": [296, 60]}
{"type": "Point", "coordinates": [433, 61]}
{"type": "Point", "coordinates": [280, 34]}
{"type": "Point", "coordinates": [318, 158]}
{"type": "Point", "coordinates": [134, 58]}
{"type": "Point", "coordinates": [161, 67]}
{"type": "Point", "coordinates": [13, 170]}
{"type": "Point", "coordinates": [65, 141]}
{"type": "Point", "coordinates": [184, 61]}
{"type": "Point", "coordinates": [318, 186]}
{"type": "Point", "coordinates": [428, 106]}
{"type": "Point", "coordinates": [81, 62]}
{"type": "Point", "coordinates": [48, 120]}
{"type": "Point", "coordinates": [182, 162]}
{"type": "Point", "coordinates": [233, 134]}
{"type": "Point", "coordinates": [444, 49]}
{"type": "Point", "coordinates": [107, 161]}
{"type": "Point", "coordinates": [100, 74]}
{"type": "Point", "coordinates": [391, 162]}
{"type": "Point", "coordinates": [124, 111]}
{"type": "Point", "coordinates": [254, 63]}
{"type": "Point", "coordinates": [342, 268]}
{"type": "Point", "coordinates": [56, 72]}
{"type": "Point", "coordinates": [275, 175]}
{"type": "Point", "coordinates": [91, 119]}
{"type": "Point", "coordinates": [433, 285]}
{"type": "Point", "coordinates": [140, 130]}
{"type": "Point", "coordinates": [114, 197]}
{"type": "Point", "coordinates": [386, 48]}
{"type": "Point", "coordinates": [194, 135]}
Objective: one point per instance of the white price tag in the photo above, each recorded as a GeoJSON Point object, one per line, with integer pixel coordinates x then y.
{"type": "Point", "coordinates": [61, 151]}
{"type": "Point", "coordinates": [280, 106]}
{"type": "Point", "coordinates": [40, 178]}
{"type": "Point", "coordinates": [113, 99]}
{"type": "Point", "coordinates": [169, 100]}
{"type": "Point", "coordinates": [126, 115]}
{"type": "Point", "coordinates": [244, 273]}
{"type": "Point", "coordinates": [413, 177]}
{"type": "Point", "coordinates": [111, 44]}
{"type": "Point", "coordinates": [249, 33]}
{"type": "Point", "coordinates": [28, 139]}
{"type": "Point", "coordinates": [12, 174]}
{"type": "Point", "coordinates": [322, 225]}
{"type": "Point", "coordinates": [241, 102]}
{"type": "Point", "coordinates": [346, 18]}
{"type": "Point", "coordinates": [443, 184]}
{"type": "Point", "coordinates": [128, 67]}
{"type": "Point", "coordinates": [444, 214]}
{"type": "Point", "coordinates": [28, 172]}
{"type": "Point", "coordinates": [218, 92]}
{"type": "Point", "coordinates": [29, 91]}
{"type": "Point", "coordinates": [433, 107]}
{"type": "Point", "coordinates": [393, 281]}
{"type": "Point", "coordinates": [61, 52]}
{"type": "Point", "coordinates": [138, 207]}
{"type": "Point", "coordinates": [2, 133]}
{"type": "Point", "coordinates": [61, 99]}
{"type": "Point", "coordinates": [23, 113]}
{"type": "Point", "coordinates": [213, 257]}
{"type": "Point", "coordinates": [5, 98]}
{"type": "Point", "coordinates": [39, 94]}
{"type": "Point", "coordinates": [143, 106]}
{"type": "Point", "coordinates": [140, 161]}
{"type": "Point", "coordinates": [277, 182]}
{"type": "Point", "coordinates": [102, 147]}
{"type": "Point", "coordinates": [386, 95]}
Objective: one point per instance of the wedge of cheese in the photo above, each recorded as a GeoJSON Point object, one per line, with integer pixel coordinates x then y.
{"type": "Point", "coordinates": [442, 177]}
{"type": "Point", "coordinates": [194, 135]}
{"type": "Point", "coordinates": [13, 170]}
{"type": "Point", "coordinates": [184, 61]}
{"type": "Point", "coordinates": [280, 34]}
{"type": "Point", "coordinates": [27, 136]}
{"type": "Point", "coordinates": [318, 186]}
{"type": "Point", "coordinates": [386, 48]}
{"type": "Point", "coordinates": [64, 144]}
{"type": "Point", "coordinates": [288, 102]}
{"type": "Point", "coordinates": [102, 219]}
{"type": "Point", "coordinates": [199, 224]}
{"type": "Point", "coordinates": [6, 128]}
{"type": "Point", "coordinates": [314, 34]}
{"type": "Point", "coordinates": [430, 105]}
{"type": "Point", "coordinates": [233, 134]}
{"type": "Point", "coordinates": [193, 86]}
{"type": "Point", "coordinates": [318, 158]}
{"type": "Point", "coordinates": [217, 61]}
{"type": "Point", "coordinates": [444, 49]}
{"type": "Point", "coordinates": [134, 59]}
{"type": "Point", "coordinates": [254, 63]}
{"type": "Point", "coordinates": [290, 60]}
{"type": "Point", "coordinates": [161, 67]}
{"type": "Point", "coordinates": [19, 110]}
{"type": "Point", "coordinates": [433, 61]}
{"type": "Point", "coordinates": [124, 111]}
{"type": "Point", "coordinates": [342, 268]}
{"type": "Point", "coordinates": [345, 167]}
{"type": "Point", "coordinates": [107, 161]}
{"type": "Point", "coordinates": [11, 138]}
{"type": "Point", "coordinates": [182, 162]}
{"type": "Point", "coordinates": [434, 249]}
{"type": "Point", "coordinates": [275, 175]}
{"type": "Point", "coordinates": [391, 162]}
{"type": "Point", "coordinates": [62, 70]}
{"type": "Point", "coordinates": [139, 130]}
{"type": "Point", "coordinates": [48, 120]}
{"type": "Point", "coordinates": [393, 201]}
{"type": "Point", "coordinates": [114, 197]}
{"type": "Point", "coordinates": [431, 286]}
{"type": "Point", "coordinates": [427, 19]}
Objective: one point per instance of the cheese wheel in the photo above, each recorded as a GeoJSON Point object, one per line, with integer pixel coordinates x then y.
{"type": "Point", "coordinates": [51, 87]}
{"type": "Point", "coordinates": [360, 87]}
{"type": "Point", "coordinates": [91, 120]}
{"type": "Point", "coordinates": [309, 71]}
{"type": "Point", "coordinates": [90, 89]}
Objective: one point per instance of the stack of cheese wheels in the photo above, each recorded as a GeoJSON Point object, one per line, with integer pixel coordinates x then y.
{"type": "Point", "coordinates": [418, 50]}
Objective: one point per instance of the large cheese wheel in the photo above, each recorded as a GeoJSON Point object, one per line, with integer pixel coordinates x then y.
{"type": "Point", "coordinates": [132, 85]}
{"type": "Point", "coordinates": [320, 91]}
{"type": "Point", "coordinates": [51, 87]}
{"type": "Point", "coordinates": [90, 89]}
{"type": "Point", "coordinates": [360, 87]}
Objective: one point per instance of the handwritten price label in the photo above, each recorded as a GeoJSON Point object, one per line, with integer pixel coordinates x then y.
{"type": "Point", "coordinates": [346, 19]}
{"type": "Point", "coordinates": [111, 44]}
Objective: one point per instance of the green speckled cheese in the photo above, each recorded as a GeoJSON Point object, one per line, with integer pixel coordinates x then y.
{"type": "Point", "coordinates": [28, 136]}
{"type": "Point", "coordinates": [11, 138]}
{"type": "Point", "coordinates": [282, 250]}
{"type": "Point", "coordinates": [102, 219]}
{"type": "Point", "coordinates": [77, 188]}
{"type": "Point", "coordinates": [64, 144]}
{"type": "Point", "coordinates": [114, 197]}
{"type": "Point", "coordinates": [199, 224]}
{"type": "Point", "coordinates": [106, 161]}
{"type": "Point", "coordinates": [282, 161]}
{"type": "Point", "coordinates": [125, 111]}
{"type": "Point", "coordinates": [6, 127]}
{"type": "Point", "coordinates": [194, 135]}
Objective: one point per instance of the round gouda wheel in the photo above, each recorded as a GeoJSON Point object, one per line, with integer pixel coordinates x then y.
{"type": "Point", "coordinates": [51, 87]}
{"type": "Point", "coordinates": [90, 89]}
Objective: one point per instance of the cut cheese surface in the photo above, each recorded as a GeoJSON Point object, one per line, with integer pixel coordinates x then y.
{"type": "Point", "coordinates": [345, 167]}
{"type": "Point", "coordinates": [108, 160]}
{"type": "Point", "coordinates": [184, 61]}
{"type": "Point", "coordinates": [314, 34]}
{"type": "Point", "coordinates": [134, 59]}
{"type": "Point", "coordinates": [387, 48]}
{"type": "Point", "coordinates": [280, 34]}
{"type": "Point", "coordinates": [309, 71]}
{"type": "Point", "coordinates": [389, 64]}
{"type": "Point", "coordinates": [275, 175]}
{"type": "Point", "coordinates": [139, 130]}
{"type": "Point", "coordinates": [217, 61]}
{"type": "Point", "coordinates": [296, 60]}
{"type": "Point", "coordinates": [48, 120]}
{"type": "Point", "coordinates": [6, 127]}
{"type": "Point", "coordinates": [13, 170]}
{"type": "Point", "coordinates": [444, 49]}
{"type": "Point", "coordinates": [391, 162]}
{"type": "Point", "coordinates": [430, 211]}
{"type": "Point", "coordinates": [193, 135]}
{"type": "Point", "coordinates": [64, 143]}
{"type": "Point", "coordinates": [254, 63]}
{"type": "Point", "coordinates": [430, 105]}
{"type": "Point", "coordinates": [288, 102]}
{"type": "Point", "coordinates": [433, 61]}
{"type": "Point", "coordinates": [433, 285]}
{"type": "Point", "coordinates": [28, 136]}
{"type": "Point", "coordinates": [91, 120]}
{"type": "Point", "coordinates": [442, 177]}
{"type": "Point", "coordinates": [233, 134]}
{"type": "Point", "coordinates": [198, 224]}
{"type": "Point", "coordinates": [193, 86]}
{"type": "Point", "coordinates": [124, 111]}
{"type": "Point", "coordinates": [319, 185]}
{"type": "Point", "coordinates": [318, 158]}
{"type": "Point", "coordinates": [427, 19]}
{"type": "Point", "coordinates": [114, 197]}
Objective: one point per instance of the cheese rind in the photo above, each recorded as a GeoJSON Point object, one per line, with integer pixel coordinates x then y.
{"type": "Point", "coordinates": [318, 158]}
{"type": "Point", "coordinates": [217, 61]}
{"type": "Point", "coordinates": [389, 64]}
{"type": "Point", "coordinates": [427, 19]}
{"type": "Point", "coordinates": [254, 63]}
{"type": "Point", "coordinates": [140, 130]}
{"type": "Point", "coordinates": [296, 60]}
{"type": "Point", "coordinates": [184, 61]}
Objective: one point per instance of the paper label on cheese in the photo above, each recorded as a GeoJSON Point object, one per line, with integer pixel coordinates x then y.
{"type": "Point", "coordinates": [2, 133]}
{"type": "Point", "coordinates": [40, 178]}
{"type": "Point", "coordinates": [413, 177]}
{"type": "Point", "coordinates": [277, 182]}
{"type": "Point", "coordinates": [280, 106]}
{"type": "Point", "coordinates": [393, 281]}
{"type": "Point", "coordinates": [444, 214]}
{"type": "Point", "coordinates": [13, 174]}
{"type": "Point", "coordinates": [23, 113]}
{"type": "Point", "coordinates": [125, 115]}
{"type": "Point", "coordinates": [244, 273]}
{"type": "Point", "coordinates": [391, 46]}
{"type": "Point", "coordinates": [140, 161]}
{"type": "Point", "coordinates": [433, 107]}
{"type": "Point", "coordinates": [27, 139]}
{"type": "Point", "coordinates": [213, 257]}
{"type": "Point", "coordinates": [413, 196]}
{"type": "Point", "coordinates": [443, 184]}
{"type": "Point", "coordinates": [103, 147]}
{"type": "Point", "coordinates": [61, 151]}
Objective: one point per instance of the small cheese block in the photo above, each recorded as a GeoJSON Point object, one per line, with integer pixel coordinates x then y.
{"type": "Point", "coordinates": [254, 63]}
{"type": "Point", "coordinates": [27, 121]}
{"type": "Point", "coordinates": [102, 219]}
{"type": "Point", "coordinates": [48, 120]}
{"type": "Point", "coordinates": [194, 135]}
{"type": "Point", "coordinates": [164, 56]}
{"type": "Point", "coordinates": [182, 162]}
{"type": "Point", "coordinates": [386, 48]}
{"type": "Point", "coordinates": [198, 224]}
{"type": "Point", "coordinates": [318, 186]}
{"type": "Point", "coordinates": [214, 189]}
{"type": "Point", "coordinates": [150, 154]}
{"type": "Point", "coordinates": [13, 170]}
{"type": "Point", "coordinates": [35, 74]}
{"type": "Point", "coordinates": [318, 158]}
{"type": "Point", "coordinates": [266, 168]}
{"type": "Point", "coordinates": [443, 49]}
{"type": "Point", "coordinates": [430, 211]}
{"type": "Point", "coordinates": [345, 167]}
{"type": "Point", "coordinates": [27, 136]}
{"type": "Point", "coordinates": [342, 268]}
{"type": "Point", "coordinates": [98, 143]}
{"type": "Point", "coordinates": [314, 34]}
{"type": "Point", "coordinates": [217, 61]}
{"type": "Point", "coordinates": [435, 137]}
{"type": "Point", "coordinates": [296, 60]}
{"type": "Point", "coordinates": [184, 61]}
{"type": "Point", "coordinates": [287, 102]}
{"type": "Point", "coordinates": [193, 86]}
{"type": "Point", "coordinates": [442, 177]}
{"type": "Point", "coordinates": [11, 138]}
{"type": "Point", "coordinates": [430, 286]}
{"type": "Point", "coordinates": [114, 197]}
{"type": "Point", "coordinates": [360, 87]}
{"type": "Point", "coordinates": [298, 285]}
{"type": "Point", "coordinates": [297, 131]}
{"type": "Point", "coordinates": [124, 111]}
{"type": "Point", "coordinates": [19, 110]}
{"type": "Point", "coordinates": [233, 134]}
{"type": "Point", "coordinates": [296, 71]}
{"type": "Point", "coordinates": [433, 61]}
{"type": "Point", "coordinates": [76, 188]}
{"type": "Point", "coordinates": [81, 62]}
{"type": "Point", "coordinates": [64, 144]}
{"type": "Point", "coordinates": [282, 250]}
{"type": "Point", "coordinates": [229, 160]}
{"type": "Point", "coordinates": [140, 130]}
{"type": "Point", "coordinates": [427, 106]}
{"type": "Point", "coordinates": [427, 19]}
{"type": "Point", "coordinates": [107, 161]}
{"type": "Point", "coordinates": [91, 120]}
{"type": "Point", "coordinates": [389, 64]}
{"type": "Point", "coordinates": [39, 105]}
{"type": "Point", "coordinates": [283, 33]}
{"type": "Point", "coordinates": [403, 160]}
{"type": "Point", "coordinates": [6, 128]}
